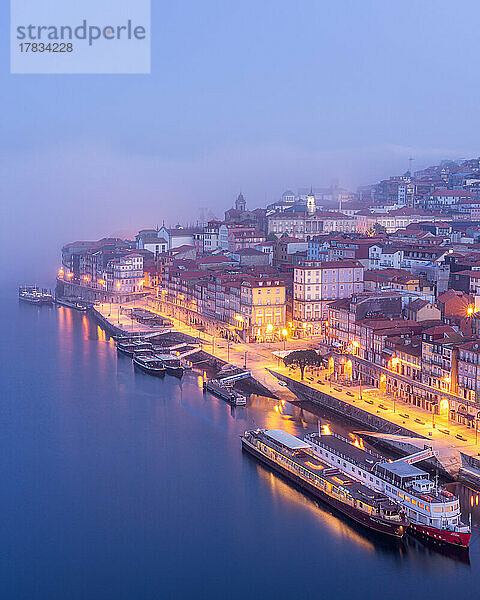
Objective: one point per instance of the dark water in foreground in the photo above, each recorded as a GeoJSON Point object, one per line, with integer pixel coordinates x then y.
{"type": "Point", "coordinates": [117, 485]}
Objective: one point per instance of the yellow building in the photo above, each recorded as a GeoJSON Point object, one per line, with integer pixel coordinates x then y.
{"type": "Point", "coordinates": [263, 308]}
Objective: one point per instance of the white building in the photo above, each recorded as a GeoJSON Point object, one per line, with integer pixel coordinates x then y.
{"type": "Point", "coordinates": [303, 225]}
{"type": "Point", "coordinates": [180, 236]}
{"type": "Point", "coordinates": [155, 245]}
{"type": "Point", "coordinates": [210, 236]}
{"type": "Point", "coordinates": [125, 274]}
{"type": "Point", "coordinates": [393, 219]}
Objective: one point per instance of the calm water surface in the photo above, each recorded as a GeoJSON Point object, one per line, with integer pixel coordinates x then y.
{"type": "Point", "coordinates": [118, 485]}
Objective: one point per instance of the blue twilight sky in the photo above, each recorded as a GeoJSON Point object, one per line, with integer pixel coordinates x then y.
{"type": "Point", "coordinates": [253, 96]}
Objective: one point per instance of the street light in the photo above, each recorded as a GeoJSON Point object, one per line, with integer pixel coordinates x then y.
{"type": "Point", "coordinates": [269, 328]}
{"type": "Point", "coordinates": [284, 333]}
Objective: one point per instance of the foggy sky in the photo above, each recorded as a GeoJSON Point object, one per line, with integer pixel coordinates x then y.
{"type": "Point", "coordinates": [244, 96]}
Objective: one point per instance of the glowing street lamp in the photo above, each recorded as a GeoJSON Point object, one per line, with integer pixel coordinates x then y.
{"type": "Point", "coordinates": [470, 311]}
{"type": "Point", "coordinates": [284, 333]}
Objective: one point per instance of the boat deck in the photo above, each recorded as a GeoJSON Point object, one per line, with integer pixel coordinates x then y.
{"type": "Point", "coordinates": [341, 447]}
{"type": "Point", "coordinates": [312, 463]}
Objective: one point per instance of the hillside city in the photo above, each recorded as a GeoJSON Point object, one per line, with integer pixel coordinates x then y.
{"type": "Point", "coordinates": [385, 279]}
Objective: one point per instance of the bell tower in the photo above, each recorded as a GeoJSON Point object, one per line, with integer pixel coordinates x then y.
{"type": "Point", "coordinates": [240, 203]}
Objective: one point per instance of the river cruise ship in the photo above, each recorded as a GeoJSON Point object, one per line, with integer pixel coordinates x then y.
{"type": "Point", "coordinates": [295, 459]}
{"type": "Point", "coordinates": [433, 511]}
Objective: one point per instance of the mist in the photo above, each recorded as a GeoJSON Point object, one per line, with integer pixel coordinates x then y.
{"type": "Point", "coordinates": [252, 98]}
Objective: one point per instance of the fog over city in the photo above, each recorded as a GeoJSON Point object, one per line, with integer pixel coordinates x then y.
{"type": "Point", "coordinates": [252, 97]}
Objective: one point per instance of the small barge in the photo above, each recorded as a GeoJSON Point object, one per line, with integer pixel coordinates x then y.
{"type": "Point", "coordinates": [133, 348]}
{"type": "Point", "coordinates": [73, 303]}
{"type": "Point", "coordinates": [294, 458]}
{"type": "Point", "coordinates": [223, 391]}
{"type": "Point", "coordinates": [173, 365]}
{"type": "Point", "coordinates": [149, 364]}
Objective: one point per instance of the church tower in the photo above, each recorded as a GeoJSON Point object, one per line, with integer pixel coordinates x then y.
{"type": "Point", "coordinates": [311, 208]}
{"type": "Point", "coordinates": [240, 203]}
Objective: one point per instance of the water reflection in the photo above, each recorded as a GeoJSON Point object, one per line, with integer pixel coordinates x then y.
{"type": "Point", "coordinates": [281, 489]}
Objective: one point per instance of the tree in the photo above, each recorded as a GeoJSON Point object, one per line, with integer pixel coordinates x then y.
{"type": "Point", "coordinates": [302, 359]}
{"type": "Point", "coordinates": [271, 237]}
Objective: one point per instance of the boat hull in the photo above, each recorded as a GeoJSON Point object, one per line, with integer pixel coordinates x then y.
{"type": "Point", "coordinates": [149, 370]}
{"type": "Point", "coordinates": [395, 531]}
{"type": "Point", "coordinates": [443, 536]}
{"type": "Point", "coordinates": [175, 371]}
{"type": "Point", "coordinates": [30, 300]}
{"type": "Point", "coordinates": [132, 351]}
{"type": "Point", "coordinates": [71, 305]}
{"type": "Point", "coordinates": [125, 351]}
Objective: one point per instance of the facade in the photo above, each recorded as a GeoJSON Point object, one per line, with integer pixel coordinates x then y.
{"type": "Point", "coordinates": [180, 236]}
{"type": "Point", "coordinates": [316, 284]}
{"type": "Point", "coordinates": [234, 236]}
{"type": "Point", "coordinates": [210, 236]}
{"type": "Point", "coordinates": [286, 247]}
{"type": "Point", "coordinates": [155, 245]}
{"type": "Point", "coordinates": [392, 220]}
{"type": "Point", "coordinates": [125, 274]}
{"type": "Point", "coordinates": [263, 308]}
{"type": "Point", "coordinates": [469, 373]}
{"type": "Point", "coordinates": [304, 225]}
{"type": "Point", "coordinates": [422, 310]}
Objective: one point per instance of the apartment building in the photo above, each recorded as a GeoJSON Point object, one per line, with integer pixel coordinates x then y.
{"type": "Point", "coordinates": [125, 274]}
{"type": "Point", "coordinates": [315, 284]}
{"type": "Point", "coordinates": [263, 308]}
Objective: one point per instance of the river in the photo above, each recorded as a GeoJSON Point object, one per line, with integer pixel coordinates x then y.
{"type": "Point", "coordinates": [118, 485]}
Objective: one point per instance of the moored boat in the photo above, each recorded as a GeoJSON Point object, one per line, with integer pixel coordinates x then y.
{"type": "Point", "coordinates": [172, 364]}
{"type": "Point", "coordinates": [34, 295]}
{"type": "Point", "coordinates": [433, 511]}
{"type": "Point", "coordinates": [73, 303]}
{"type": "Point", "coordinates": [225, 392]}
{"type": "Point", "coordinates": [132, 348]}
{"type": "Point", "coordinates": [295, 459]}
{"type": "Point", "coordinates": [149, 364]}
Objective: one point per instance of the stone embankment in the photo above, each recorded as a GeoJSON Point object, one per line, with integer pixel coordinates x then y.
{"type": "Point", "coordinates": [466, 468]}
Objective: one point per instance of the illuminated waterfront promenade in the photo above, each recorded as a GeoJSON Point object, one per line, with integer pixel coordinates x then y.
{"type": "Point", "coordinates": [259, 358]}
